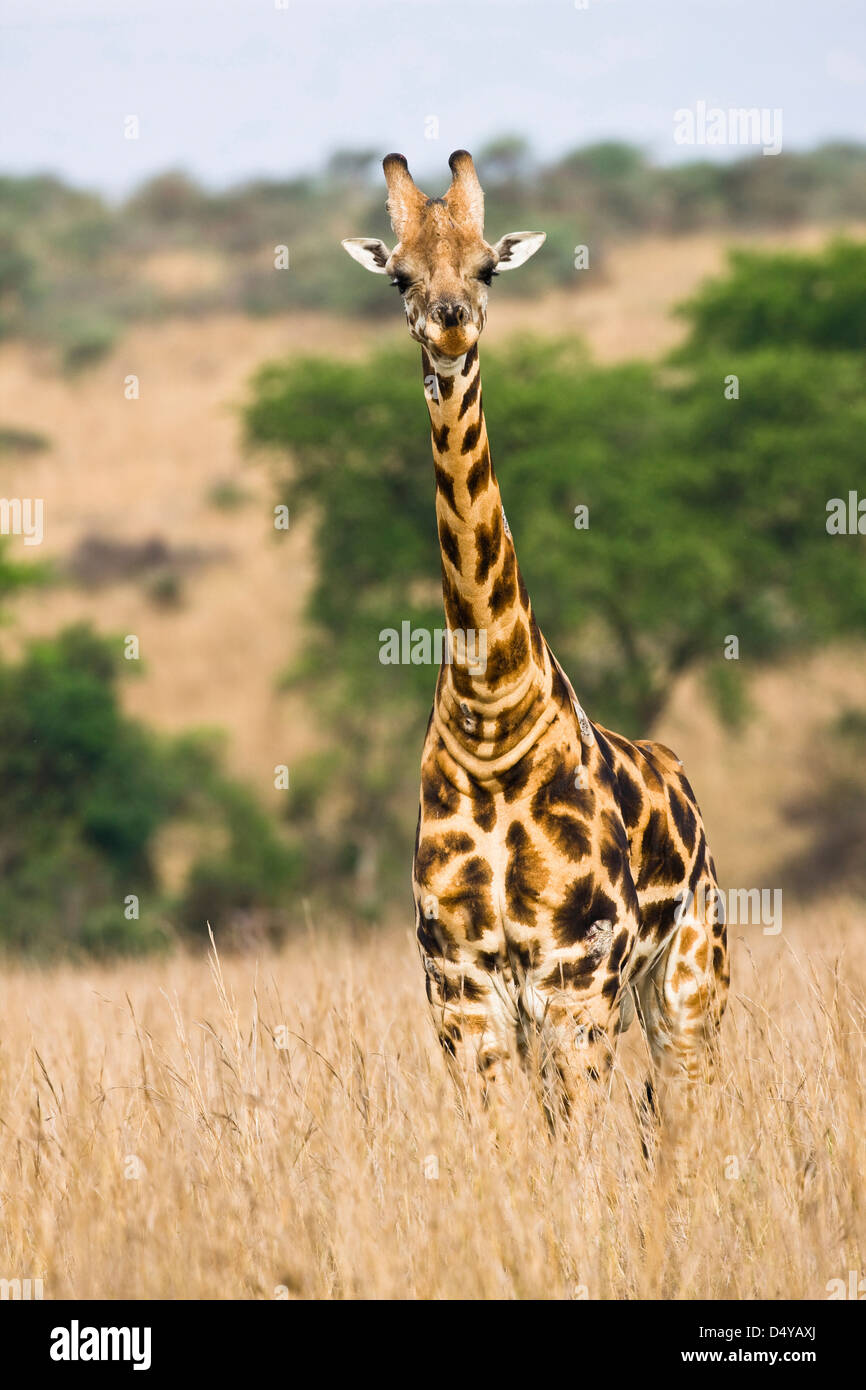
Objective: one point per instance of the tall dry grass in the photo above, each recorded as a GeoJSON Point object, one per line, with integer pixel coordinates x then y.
{"type": "Point", "coordinates": [156, 1140]}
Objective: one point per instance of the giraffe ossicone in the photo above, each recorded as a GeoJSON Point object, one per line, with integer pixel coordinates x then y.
{"type": "Point", "coordinates": [555, 893]}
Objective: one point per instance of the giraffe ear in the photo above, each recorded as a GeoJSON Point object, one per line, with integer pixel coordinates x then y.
{"type": "Point", "coordinates": [369, 252]}
{"type": "Point", "coordinates": [516, 247]}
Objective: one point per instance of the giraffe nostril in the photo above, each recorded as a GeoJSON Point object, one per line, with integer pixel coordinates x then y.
{"type": "Point", "coordinates": [449, 315]}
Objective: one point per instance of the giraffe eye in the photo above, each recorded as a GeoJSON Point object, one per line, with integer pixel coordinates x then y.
{"type": "Point", "coordinates": [401, 281]}
{"type": "Point", "coordinates": [487, 274]}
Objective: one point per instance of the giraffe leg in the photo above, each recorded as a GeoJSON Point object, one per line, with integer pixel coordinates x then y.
{"type": "Point", "coordinates": [682, 999]}
{"type": "Point", "coordinates": [475, 1022]}
{"type": "Point", "coordinates": [574, 1072]}
{"type": "Point", "coordinates": [566, 1041]}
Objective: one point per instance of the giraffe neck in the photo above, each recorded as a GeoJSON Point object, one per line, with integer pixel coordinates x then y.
{"type": "Point", "coordinates": [494, 697]}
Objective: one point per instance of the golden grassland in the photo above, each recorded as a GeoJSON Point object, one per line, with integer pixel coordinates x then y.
{"type": "Point", "coordinates": [285, 1127]}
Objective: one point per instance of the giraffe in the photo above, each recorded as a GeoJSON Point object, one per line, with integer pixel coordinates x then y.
{"type": "Point", "coordinates": [557, 864]}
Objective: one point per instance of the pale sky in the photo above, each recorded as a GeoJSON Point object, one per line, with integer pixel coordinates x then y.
{"type": "Point", "coordinates": [229, 89]}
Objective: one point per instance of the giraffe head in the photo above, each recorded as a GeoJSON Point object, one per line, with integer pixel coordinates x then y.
{"type": "Point", "coordinates": [441, 263]}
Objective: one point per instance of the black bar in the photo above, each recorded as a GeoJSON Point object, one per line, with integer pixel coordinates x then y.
{"type": "Point", "coordinates": [258, 1338]}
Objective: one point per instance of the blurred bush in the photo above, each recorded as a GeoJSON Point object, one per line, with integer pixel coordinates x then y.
{"type": "Point", "coordinates": [833, 813]}
{"type": "Point", "coordinates": [86, 791]}
{"type": "Point", "coordinates": [17, 277]}
{"type": "Point", "coordinates": [17, 441]}
{"type": "Point", "coordinates": [786, 300]}
{"type": "Point", "coordinates": [707, 518]}
{"type": "Point", "coordinates": [85, 341]}
{"type": "Point", "coordinates": [243, 890]}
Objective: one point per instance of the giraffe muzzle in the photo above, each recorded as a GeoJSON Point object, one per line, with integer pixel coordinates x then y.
{"type": "Point", "coordinates": [451, 341]}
